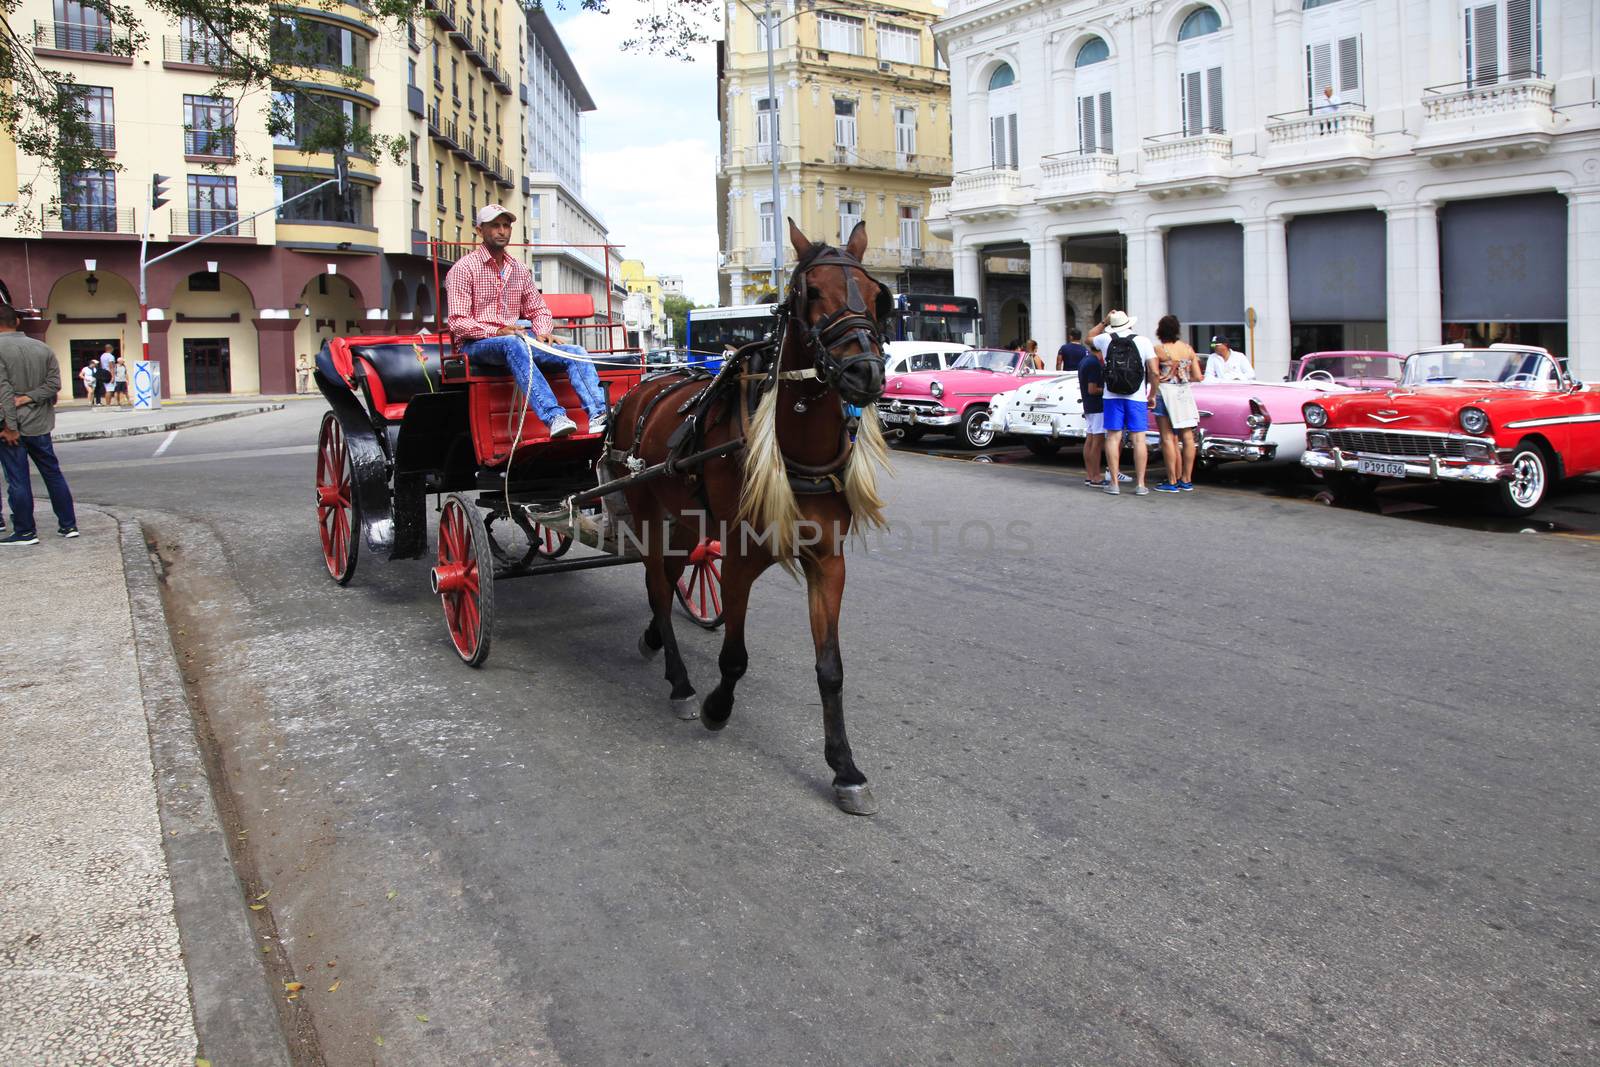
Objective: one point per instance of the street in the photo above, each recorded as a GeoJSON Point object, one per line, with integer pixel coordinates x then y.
{"type": "Point", "coordinates": [1231, 777]}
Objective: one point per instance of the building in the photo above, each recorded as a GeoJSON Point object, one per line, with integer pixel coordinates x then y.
{"type": "Point", "coordinates": [862, 122]}
{"type": "Point", "coordinates": [646, 314]}
{"type": "Point", "coordinates": [1297, 174]}
{"type": "Point", "coordinates": [231, 315]}
{"type": "Point", "coordinates": [671, 285]}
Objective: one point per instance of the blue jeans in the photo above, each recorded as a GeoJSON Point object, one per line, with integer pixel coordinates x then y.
{"type": "Point", "coordinates": [14, 459]}
{"type": "Point", "coordinates": [512, 354]}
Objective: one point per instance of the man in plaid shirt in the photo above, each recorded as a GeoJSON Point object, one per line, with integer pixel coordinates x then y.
{"type": "Point", "coordinates": [489, 293]}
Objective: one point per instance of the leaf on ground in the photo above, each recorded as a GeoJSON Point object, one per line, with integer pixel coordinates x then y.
{"type": "Point", "coordinates": [294, 987]}
{"type": "Point", "coordinates": [392, 895]}
{"type": "Point", "coordinates": [265, 895]}
{"type": "Point", "coordinates": [376, 1040]}
{"type": "Point", "coordinates": [257, 907]}
{"type": "Point", "coordinates": [333, 963]}
{"type": "Point", "coordinates": [422, 1018]}
{"type": "Point", "coordinates": [334, 988]}
{"type": "Point", "coordinates": [201, 1062]}
{"type": "Point", "coordinates": [266, 948]}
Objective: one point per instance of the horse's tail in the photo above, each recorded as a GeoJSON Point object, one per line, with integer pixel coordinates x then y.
{"type": "Point", "coordinates": [861, 473]}
{"type": "Point", "coordinates": [766, 500]}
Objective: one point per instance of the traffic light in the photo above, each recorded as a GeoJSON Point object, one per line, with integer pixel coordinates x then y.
{"type": "Point", "coordinates": [158, 191]}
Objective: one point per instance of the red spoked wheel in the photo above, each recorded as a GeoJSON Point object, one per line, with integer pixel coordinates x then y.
{"type": "Point", "coordinates": [338, 516]}
{"type": "Point", "coordinates": [700, 585]}
{"type": "Point", "coordinates": [464, 578]}
{"type": "Point", "coordinates": [548, 543]}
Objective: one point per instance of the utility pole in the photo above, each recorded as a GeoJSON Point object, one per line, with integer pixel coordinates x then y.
{"type": "Point", "coordinates": [772, 139]}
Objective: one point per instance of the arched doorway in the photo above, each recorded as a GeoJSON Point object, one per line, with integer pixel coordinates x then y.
{"type": "Point", "coordinates": [330, 306]}
{"type": "Point", "coordinates": [212, 345]}
{"type": "Point", "coordinates": [424, 306]}
{"type": "Point", "coordinates": [84, 324]}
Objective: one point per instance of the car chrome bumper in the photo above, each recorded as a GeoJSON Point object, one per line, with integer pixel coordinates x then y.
{"type": "Point", "coordinates": [1224, 448]}
{"type": "Point", "coordinates": [1053, 427]}
{"type": "Point", "coordinates": [1434, 468]}
{"type": "Point", "coordinates": [914, 417]}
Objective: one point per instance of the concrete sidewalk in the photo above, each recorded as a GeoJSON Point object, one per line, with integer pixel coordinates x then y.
{"type": "Point", "coordinates": [81, 422]}
{"type": "Point", "coordinates": [109, 931]}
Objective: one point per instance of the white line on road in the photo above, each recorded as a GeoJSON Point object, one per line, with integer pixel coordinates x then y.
{"type": "Point", "coordinates": [167, 443]}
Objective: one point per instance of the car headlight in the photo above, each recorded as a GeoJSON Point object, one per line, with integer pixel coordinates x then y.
{"type": "Point", "coordinates": [1474, 420]}
{"type": "Point", "coordinates": [936, 389]}
{"type": "Point", "coordinates": [1316, 416]}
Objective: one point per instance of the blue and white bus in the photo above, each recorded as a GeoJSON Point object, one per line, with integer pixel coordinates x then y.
{"type": "Point", "coordinates": [711, 330]}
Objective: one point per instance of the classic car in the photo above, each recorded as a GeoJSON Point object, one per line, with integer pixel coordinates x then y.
{"type": "Point", "coordinates": [1046, 413]}
{"type": "Point", "coordinates": [954, 400]}
{"type": "Point", "coordinates": [1359, 370]}
{"type": "Point", "coordinates": [903, 357]}
{"type": "Point", "coordinates": [1260, 422]}
{"type": "Point", "coordinates": [1507, 417]}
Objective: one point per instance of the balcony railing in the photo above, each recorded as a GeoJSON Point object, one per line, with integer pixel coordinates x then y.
{"type": "Point", "coordinates": [94, 38]}
{"type": "Point", "coordinates": [985, 180]}
{"type": "Point", "coordinates": [103, 135]}
{"type": "Point", "coordinates": [1300, 127]}
{"type": "Point", "coordinates": [758, 155]}
{"type": "Point", "coordinates": [927, 258]}
{"type": "Point", "coordinates": [443, 12]}
{"type": "Point", "coordinates": [87, 218]}
{"type": "Point", "coordinates": [213, 144]}
{"type": "Point", "coordinates": [880, 159]}
{"type": "Point", "coordinates": [1442, 103]}
{"type": "Point", "coordinates": [939, 197]}
{"type": "Point", "coordinates": [195, 51]}
{"type": "Point", "coordinates": [1179, 147]}
{"type": "Point", "coordinates": [193, 222]}
{"type": "Point", "coordinates": [1067, 166]}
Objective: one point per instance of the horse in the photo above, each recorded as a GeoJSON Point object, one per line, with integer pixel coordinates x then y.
{"type": "Point", "coordinates": [805, 476]}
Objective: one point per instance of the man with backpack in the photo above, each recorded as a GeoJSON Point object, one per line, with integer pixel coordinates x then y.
{"type": "Point", "coordinates": [1130, 381]}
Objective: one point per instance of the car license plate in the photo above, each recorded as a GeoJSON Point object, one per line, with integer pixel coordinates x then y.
{"type": "Point", "coordinates": [1384, 468]}
{"type": "Point", "coordinates": [1038, 418]}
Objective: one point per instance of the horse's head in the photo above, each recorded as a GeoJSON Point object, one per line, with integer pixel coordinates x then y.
{"type": "Point", "coordinates": [841, 310]}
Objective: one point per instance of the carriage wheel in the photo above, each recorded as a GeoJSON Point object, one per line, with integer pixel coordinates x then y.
{"type": "Point", "coordinates": [700, 585]}
{"type": "Point", "coordinates": [548, 543]}
{"type": "Point", "coordinates": [338, 515]}
{"type": "Point", "coordinates": [464, 578]}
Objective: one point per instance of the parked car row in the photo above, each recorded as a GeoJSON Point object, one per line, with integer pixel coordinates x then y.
{"type": "Point", "coordinates": [1507, 417]}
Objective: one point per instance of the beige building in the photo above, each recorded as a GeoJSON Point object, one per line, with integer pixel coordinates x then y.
{"type": "Point", "coordinates": [862, 115]}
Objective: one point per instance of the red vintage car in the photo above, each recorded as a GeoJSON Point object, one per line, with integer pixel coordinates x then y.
{"type": "Point", "coordinates": [1507, 417]}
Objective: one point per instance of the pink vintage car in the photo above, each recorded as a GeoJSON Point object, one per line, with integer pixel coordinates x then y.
{"type": "Point", "coordinates": [955, 400]}
{"type": "Point", "coordinates": [1260, 422]}
{"type": "Point", "coordinates": [1359, 370]}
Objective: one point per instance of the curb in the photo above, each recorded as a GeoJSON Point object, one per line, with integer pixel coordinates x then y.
{"type": "Point", "coordinates": [235, 1018]}
{"type": "Point", "coordinates": [134, 431]}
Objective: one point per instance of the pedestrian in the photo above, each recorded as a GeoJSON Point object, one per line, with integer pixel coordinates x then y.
{"type": "Point", "coordinates": [119, 379]}
{"type": "Point", "coordinates": [1030, 360]}
{"type": "Point", "coordinates": [30, 380]}
{"type": "Point", "coordinates": [1330, 100]}
{"type": "Point", "coordinates": [1091, 388]}
{"type": "Point", "coordinates": [1177, 415]}
{"type": "Point", "coordinates": [302, 372]}
{"type": "Point", "coordinates": [1226, 365]}
{"type": "Point", "coordinates": [1130, 380]}
{"type": "Point", "coordinates": [89, 375]}
{"type": "Point", "coordinates": [1070, 355]}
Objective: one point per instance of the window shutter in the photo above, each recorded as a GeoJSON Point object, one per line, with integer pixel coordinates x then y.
{"type": "Point", "coordinates": [1320, 58]}
{"type": "Point", "coordinates": [1350, 69]}
{"type": "Point", "coordinates": [1193, 119]}
{"type": "Point", "coordinates": [1483, 44]}
{"type": "Point", "coordinates": [1522, 39]}
{"type": "Point", "coordinates": [1105, 122]}
{"type": "Point", "coordinates": [997, 140]}
{"type": "Point", "coordinates": [1086, 125]}
{"type": "Point", "coordinates": [1214, 99]}
{"type": "Point", "coordinates": [1011, 140]}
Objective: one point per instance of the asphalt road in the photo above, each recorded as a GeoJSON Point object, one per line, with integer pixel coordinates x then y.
{"type": "Point", "coordinates": [1228, 778]}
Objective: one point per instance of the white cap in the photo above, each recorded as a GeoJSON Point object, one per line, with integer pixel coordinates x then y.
{"type": "Point", "coordinates": [490, 212]}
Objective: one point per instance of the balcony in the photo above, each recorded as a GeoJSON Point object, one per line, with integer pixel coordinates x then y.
{"type": "Point", "coordinates": [1309, 146]}
{"type": "Point", "coordinates": [443, 12]}
{"type": "Point", "coordinates": [203, 52]}
{"type": "Point", "coordinates": [197, 221]}
{"type": "Point", "coordinates": [756, 155]}
{"type": "Point", "coordinates": [878, 159]}
{"type": "Point", "coordinates": [986, 193]}
{"type": "Point", "coordinates": [414, 101]}
{"type": "Point", "coordinates": [1479, 123]}
{"type": "Point", "coordinates": [83, 39]}
{"type": "Point", "coordinates": [939, 212]}
{"type": "Point", "coordinates": [1072, 180]}
{"type": "Point", "coordinates": [207, 144]}
{"type": "Point", "coordinates": [102, 135]}
{"type": "Point", "coordinates": [88, 218]}
{"type": "Point", "coordinates": [906, 258]}
{"type": "Point", "coordinates": [1176, 165]}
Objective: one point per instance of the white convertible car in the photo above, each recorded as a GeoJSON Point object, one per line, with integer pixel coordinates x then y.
{"type": "Point", "coordinates": [1045, 414]}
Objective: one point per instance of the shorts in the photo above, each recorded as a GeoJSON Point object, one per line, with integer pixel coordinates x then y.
{"type": "Point", "coordinates": [1126, 413]}
{"type": "Point", "coordinates": [1096, 421]}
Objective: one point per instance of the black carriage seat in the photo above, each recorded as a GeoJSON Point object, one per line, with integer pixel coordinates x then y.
{"type": "Point", "coordinates": [395, 375]}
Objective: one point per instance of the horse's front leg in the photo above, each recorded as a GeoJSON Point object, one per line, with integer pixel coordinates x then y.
{"type": "Point", "coordinates": [825, 591]}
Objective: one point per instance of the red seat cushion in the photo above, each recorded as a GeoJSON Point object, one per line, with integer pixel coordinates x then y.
{"type": "Point", "coordinates": [570, 305]}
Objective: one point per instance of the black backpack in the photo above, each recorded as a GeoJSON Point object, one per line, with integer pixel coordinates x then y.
{"type": "Point", "coordinates": [1124, 366]}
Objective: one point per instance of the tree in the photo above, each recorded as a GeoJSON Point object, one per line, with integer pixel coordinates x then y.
{"type": "Point", "coordinates": [255, 54]}
{"type": "Point", "coordinates": [676, 310]}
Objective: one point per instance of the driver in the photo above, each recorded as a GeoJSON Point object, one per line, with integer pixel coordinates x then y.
{"type": "Point", "coordinates": [489, 292]}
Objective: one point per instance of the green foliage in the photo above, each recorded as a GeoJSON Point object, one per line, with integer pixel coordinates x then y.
{"type": "Point", "coordinates": [676, 310]}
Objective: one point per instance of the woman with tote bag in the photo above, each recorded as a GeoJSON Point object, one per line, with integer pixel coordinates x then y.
{"type": "Point", "coordinates": [1177, 416]}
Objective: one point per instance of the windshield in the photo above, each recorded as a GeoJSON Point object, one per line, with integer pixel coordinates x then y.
{"type": "Point", "coordinates": [950, 326]}
{"type": "Point", "coordinates": [995, 359]}
{"type": "Point", "coordinates": [1523, 369]}
{"type": "Point", "coordinates": [1351, 367]}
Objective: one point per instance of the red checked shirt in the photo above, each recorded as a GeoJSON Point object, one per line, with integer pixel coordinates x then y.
{"type": "Point", "coordinates": [485, 296]}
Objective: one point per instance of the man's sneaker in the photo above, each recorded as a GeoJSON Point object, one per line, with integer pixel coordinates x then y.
{"type": "Point", "coordinates": [20, 539]}
{"type": "Point", "coordinates": [69, 532]}
{"type": "Point", "coordinates": [1111, 487]}
{"type": "Point", "coordinates": [1168, 487]}
{"type": "Point", "coordinates": [1142, 491]}
{"type": "Point", "coordinates": [1187, 487]}
{"type": "Point", "coordinates": [561, 426]}
{"type": "Point", "coordinates": [597, 423]}
{"type": "Point", "coordinates": [1124, 477]}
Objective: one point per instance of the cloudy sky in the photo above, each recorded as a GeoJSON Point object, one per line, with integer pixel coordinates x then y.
{"type": "Point", "coordinates": [649, 162]}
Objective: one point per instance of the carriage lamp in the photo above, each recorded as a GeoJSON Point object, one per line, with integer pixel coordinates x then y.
{"type": "Point", "coordinates": [1474, 420]}
{"type": "Point", "coordinates": [1316, 416]}
{"type": "Point", "coordinates": [936, 388]}
{"type": "Point", "coordinates": [92, 283]}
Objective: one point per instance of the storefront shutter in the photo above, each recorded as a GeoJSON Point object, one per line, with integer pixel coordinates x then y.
{"type": "Point", "coordinates": [1205, 273]}
{"type": "Point", "coordinates": [1504, 259]}
{"type": "Point", "coordinates": [1337, 267]}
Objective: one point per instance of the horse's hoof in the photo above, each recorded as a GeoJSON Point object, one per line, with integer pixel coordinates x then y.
{"type": "Point", "coordinates": [684, 708]}
{"type": "Point", "coordinates": [645, 650]}
{"type": "Point", "coordinates": [855, 799]}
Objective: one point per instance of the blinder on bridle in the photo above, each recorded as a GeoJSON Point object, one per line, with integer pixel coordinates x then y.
{"type": "Point", "coordinates": [838, 329]}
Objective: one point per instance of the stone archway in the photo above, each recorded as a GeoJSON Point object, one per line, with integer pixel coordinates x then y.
{"type": "Point", "coordinates": [212, 342]}
{"type": "Point", "coordinates": [81, 325]}
{"type": "Point", "coordinates": [330, 306]}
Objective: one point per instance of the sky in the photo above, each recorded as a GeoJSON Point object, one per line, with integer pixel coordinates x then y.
{"type": "Point", "coordinates": [650, 147]}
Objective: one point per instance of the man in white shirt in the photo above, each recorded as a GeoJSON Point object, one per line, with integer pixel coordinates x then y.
{"type": "Point", "coordinates": [1128, 412]}
{"type": "Point", "coordinates": [1226, 365]}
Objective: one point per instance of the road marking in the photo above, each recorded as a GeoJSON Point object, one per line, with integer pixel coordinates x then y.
{"type": "Point", "coordinates": [167, 443]}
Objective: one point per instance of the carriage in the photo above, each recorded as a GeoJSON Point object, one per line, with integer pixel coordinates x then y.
{"type": "Point", "coordinates": [410, 419]}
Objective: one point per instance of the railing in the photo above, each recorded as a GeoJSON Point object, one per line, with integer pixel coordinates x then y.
{"type": "Point", "coordinates": [880, 159]}
{"type": "Point", "coordinates": [414, 101]}
{"type": "Point", "coordinates": [211, 143]}
{"type": "Point", "coordinates": [931, 258]}
{"type": "Point", "coordinates": [195, 221]}
{"type": "Point", "coordinates": [1299, 127]}
{"type": "Point", "coordinates": [1179, 148]}
{"type": "Point", "coordinates": [95, 38]}
{"type": "Point", "coordinates": [986, 180]}
{"type": "Point", "coordinates": [939, 197]}
{"type": "Point", "coordinates": [87, 218]}
{"type": "Point", "coordinates": [102, 135]}
{"type": "Point", "coordinates": [757, 155]}
{"type": "Point", "coordinates": [1066, 166]}
{"type": "Point", "coordinates": [1461, 101]}
{"type": "Point", "coordinates": [444, 12]}
{"type": "Point", "coordinates": [196, 51]}
{"type": "Point", "coordinates": [416, 173]}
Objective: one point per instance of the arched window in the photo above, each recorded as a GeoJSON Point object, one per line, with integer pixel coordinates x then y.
{"type": "Point", "coordinates": [1201, 21]}
{"type": "Point", "coordinates": [1003, 117]}
{"type": "Point", "coordinates": [1002, 78]}
{"type": "Point", "coordinates": [1094, 50]}
{"type": "Point", "coordinates": [1307, 5]}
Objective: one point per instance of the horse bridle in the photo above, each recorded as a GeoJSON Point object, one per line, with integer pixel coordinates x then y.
{"type": "Point", "coordinates": [851, 323]}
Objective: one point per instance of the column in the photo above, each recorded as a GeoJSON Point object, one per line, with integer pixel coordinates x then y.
{"type": "Point", "coordinates": [968, 275]}
{"type": "Point", "coordinates": [159, 325]}
{"type": "Point", "coordinates": [1146, 281]}
{"type": "Point", "coordinates": [275, 354]}
{"type": "Point", "coordinates": [1414, 294]}
{"type": "Point", "coordinates": [1583, 282]}
{"type": "Point", "coordinates": [1047, 296]}
{"type": "Point", "coordinates": [1266, 289]}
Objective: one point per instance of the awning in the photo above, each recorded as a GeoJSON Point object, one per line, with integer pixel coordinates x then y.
{"type": "Point", "coordinates": [1504, 259]}
{"type": "Point", "coordinates": [1205, 273]}
{"type": "Point", "coordinates": [1338, 267]}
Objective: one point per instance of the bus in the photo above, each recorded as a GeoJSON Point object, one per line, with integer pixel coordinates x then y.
{"type": "Point", "coordinates": [920, 317]}
{"type": "Point", "coordinates": [711, 330]}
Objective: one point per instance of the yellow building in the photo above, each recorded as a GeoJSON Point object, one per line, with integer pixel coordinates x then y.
{"type": "Point", "coordinates": [232, 314]}
{"type": "Point", "coordinates": [863, 129]}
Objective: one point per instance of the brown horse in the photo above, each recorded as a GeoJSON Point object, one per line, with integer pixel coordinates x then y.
{"type": "Point", "coordinates": [805, 475]}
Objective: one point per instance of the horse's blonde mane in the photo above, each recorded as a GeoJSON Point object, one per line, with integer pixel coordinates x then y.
{"type": "Point", "coordinates": [861, 473]}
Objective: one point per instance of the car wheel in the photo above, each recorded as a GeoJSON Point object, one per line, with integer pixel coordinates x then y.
{"type": "Point", "coordinates": [974, 428]}
{"type": "Point", "coordinates": [1043, 448]}
{"type": "Point", "coordinates": [1524, 491]}
{"type": "Point", "coordinates": [1352, 489]}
